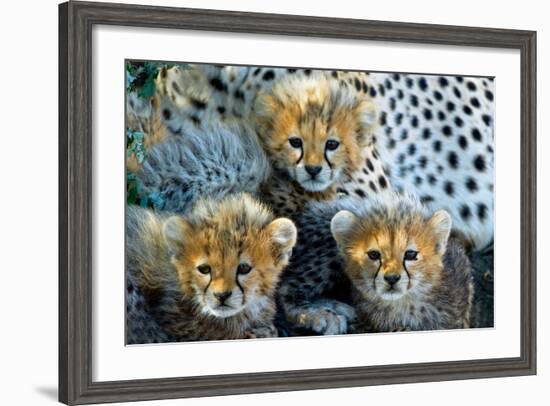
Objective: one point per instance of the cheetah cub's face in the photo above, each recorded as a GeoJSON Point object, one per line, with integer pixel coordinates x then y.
{"type": "Point", "coordinates": [229, 254]}
{"type": "Point", "coordinates": [313, 128]}
{"type": "Point", "coordinates": [390, 253]}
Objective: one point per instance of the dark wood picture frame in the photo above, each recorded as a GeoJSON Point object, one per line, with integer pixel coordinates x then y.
{"type": "Point", "coordinates": [76, 20]}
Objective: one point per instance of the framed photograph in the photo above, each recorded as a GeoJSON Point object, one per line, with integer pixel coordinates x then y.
{"type": "Point", "coordinates": [259, 202]}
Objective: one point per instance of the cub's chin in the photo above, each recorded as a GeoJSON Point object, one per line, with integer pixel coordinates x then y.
{"type": "Point", "coordinates": [223, 312]}
{"type": "Point", "coordinates": [391, 295]}
{"type": "Point", "coordinates": [315, 185]}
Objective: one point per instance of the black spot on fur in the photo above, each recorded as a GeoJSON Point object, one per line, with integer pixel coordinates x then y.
{"type": "Point", "coordinates": [217, 84]}
{"type": "Point", "coordinates": [452, 158]}
{"type": "Point", "coordinates": [486, 119]}
{"type": "Point", "coordinates": [475, 102]}
{"type": "Point", "coordinates": [292, 70]}
{"type": "Point", "coordinates": [479, 163]}
{"type": "Point", "coordinates": [372, 92]}
{"type": "Point", "coordinates": [268, 75]}
{"type": "Point", "coordinates": [489, 95]}
{"type": "Point", "coordinates": [458, 121]}
{"type": "Point", "coordinates": [414, 121]}
{"type": "Point", "coordinates": [437, 145]}
{"type": "Point", "coordinates": [221, 109]}
{"type": "Point", "coordinates": [412, 149]}
{"type": "Point", "coordinates": [359, 193]}
{"type": "Point", "coordinates": [481, 211]}
{"type": "Point", "coordinates": [409, 82]}
{"type": "Point", "coordinates": [443, 82]}
{"type": "Point", "coordinates": [437, 95]}
{"type": "Point", "coordinates": [476, 134]}
{"type": "Point", "coordinates": [431, 179]}
{"type": "Point", "coordinates": [449, 188]}
{"type": "Point", "coordinates": [398, 118]}
{"type": "Point", "coordinates": [428, 114]}
{"type": "Point", "coordinates": [422, 84]}
{"type": "Point", "coordinates": [167, 114]}
{"type": "Point", "coordinates": [457, 92]}
{"type": "Point", "coordinates": [382, 182]}
{"type": "Point", "coordinates": [471, 86]}
{"type": "Point", "coordinates": [471, 184]}
{"type": "Point", "coordinates": [382, 118]}
{"type": "Point", "coordinates": [198, 104]}
{"type": "Point", "coordinates": [450, 106]}
{"type": "Point", "coordinates": [307, 72]}
{"type": "Point", "coordinates": [447, 131]}
{"type": "Point", "coordinates": [372, 186]}
{"type": "Point", "coordinates": [426, 199]}
{"type": "Point", "coordinates": [465, 212]}
{"type": "Point", "coordinates": [257, 70]}
{"type": "Point", "coordinates": [370, 165]}
{"type": "Point", "coordinates": [467, 110]}
{"type": "Point", "coordinates": [357, 84]}
{"type": "Point", "coordinates": [422, 161]}
{"type": "Point", "coordinates": [426, 134]}
{"type": "Point", "coordinates": [414, 100]}
{"type": "Point", "coordinates": [463, 142]}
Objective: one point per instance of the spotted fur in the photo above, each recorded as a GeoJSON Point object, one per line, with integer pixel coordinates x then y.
{"type": "Point", "coordinates": [433, 135]}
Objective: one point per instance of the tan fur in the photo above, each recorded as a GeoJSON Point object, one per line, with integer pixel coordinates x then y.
{"type": "Point", "coordinates": [433, 290]}
{"type": "Point", "coordinates": [221, 236]}
{"type": "Point", "coordinates": [315, 109]}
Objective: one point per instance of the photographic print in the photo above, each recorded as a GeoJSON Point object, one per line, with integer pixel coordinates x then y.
{"type": "Point", "coordinates": [269, 202]}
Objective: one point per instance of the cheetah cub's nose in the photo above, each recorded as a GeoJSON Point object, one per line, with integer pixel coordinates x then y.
{"type": "Point", "coordinates": [223, 296]}
{"type": "Point", "coordinates": [313, 170]}
{"type": "Point", "coordinates": [392, 278]}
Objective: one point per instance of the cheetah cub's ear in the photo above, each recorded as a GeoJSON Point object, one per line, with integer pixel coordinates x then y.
{"type": "Point", "coordinates": [175, 231]}
{"type": "Point", "coordinates": [341, 225]}
{"type": "Point", "coordinates": [441, 223]}
{"type": "Point", "coordinates": [283, 233]}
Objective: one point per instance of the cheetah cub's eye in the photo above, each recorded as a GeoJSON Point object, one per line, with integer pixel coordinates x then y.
{"type": "Point", "coordinates": [331, 145]}
{"type": "Point", "coordinates": [295, 142]}
{"type": "Point", "coordinates": [243, 269]}
{"type": "Point", "coordinates": [204, 269]}
{"type": "Point", "coordinates": [374, 255]}
{"type": "Point", "coordinates": [411, 255]}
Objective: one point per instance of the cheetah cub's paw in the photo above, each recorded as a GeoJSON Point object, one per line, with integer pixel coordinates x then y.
{"type": "Point", "coordinates": [326, 317]}
{"type": "Point", "coordinates": [264, 331]}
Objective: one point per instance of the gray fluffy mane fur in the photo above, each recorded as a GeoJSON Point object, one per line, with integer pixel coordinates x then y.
{"type": "Point", "coordinates": [210, 161]}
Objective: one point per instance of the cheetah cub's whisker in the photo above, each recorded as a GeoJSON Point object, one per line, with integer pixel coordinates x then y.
{"type": "Point", "coordinates": [406, 273]}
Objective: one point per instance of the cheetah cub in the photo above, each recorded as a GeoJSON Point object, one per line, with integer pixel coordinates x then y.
{"type": "Point", "coordinates": [210, 274]}
{"type": "Point", "coordinates": [405, 272]}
